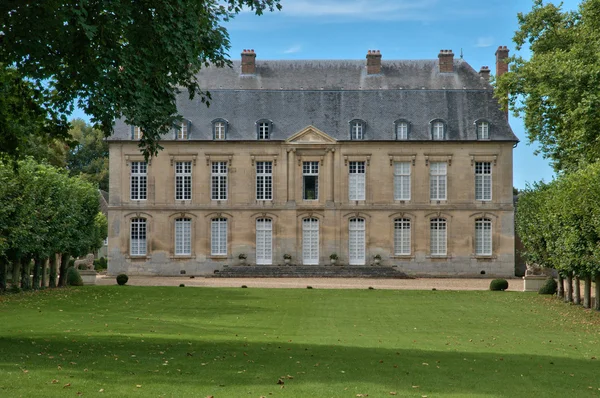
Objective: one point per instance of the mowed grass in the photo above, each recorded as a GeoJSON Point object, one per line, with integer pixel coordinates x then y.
{"type": "Point", "coordinates": [198, 342]}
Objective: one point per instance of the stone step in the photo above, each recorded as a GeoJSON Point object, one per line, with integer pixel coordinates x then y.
{"type": "Point", "coordinates": [273, 271]}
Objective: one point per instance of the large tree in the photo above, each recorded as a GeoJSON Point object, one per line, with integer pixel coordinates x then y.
{"type": "Point", "coordinates": [556, 89]}
{"type": "Point", "coordinates": [89, 156]}
{"type": "Point", "coordinates": [113, 59]}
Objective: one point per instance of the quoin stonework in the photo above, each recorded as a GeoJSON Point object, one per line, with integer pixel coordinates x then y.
{"type": "Point", "coordinates": [407, 159]}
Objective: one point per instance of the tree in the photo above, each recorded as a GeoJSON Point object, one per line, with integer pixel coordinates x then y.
{"type": "Point", "coordinates": [114, 59]}
{"type": "Point", "coordinates": [89, 157]}
{"type": "Point", "coordinates": [556, 90]}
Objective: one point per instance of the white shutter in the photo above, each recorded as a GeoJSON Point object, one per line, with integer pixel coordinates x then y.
{"type": "Point", "coordinates": [264, 241]}
{"type": "Point", "coordinates": [310, 241]}
{"type": "Point", "coordinates": [356, 241]}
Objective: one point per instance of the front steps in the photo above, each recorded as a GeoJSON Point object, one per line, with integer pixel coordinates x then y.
{"type": "Point", "coordinates": [314, 271]}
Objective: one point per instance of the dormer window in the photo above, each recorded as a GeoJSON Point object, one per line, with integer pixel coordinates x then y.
{"type": "Point", "coordinates": [182, 129]}
{"type": "Point", "coordinates": [483, 130]}
{"type": "Point", "coordinates": [357, 129]}
{"type": "Point", "coordinates": [136, 133]}
{"type": "Point", "coordinates": [438, 130]}
{"type": "Point", "coordinates": [402, 127]}
{"type": "Point", "coordinates": [220, 127]}
{"type": "Point", "coordinates": [263, 129]}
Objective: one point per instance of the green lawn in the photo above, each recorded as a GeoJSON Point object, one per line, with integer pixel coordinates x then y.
{"type": "Point", "coordinates": [197, 342]}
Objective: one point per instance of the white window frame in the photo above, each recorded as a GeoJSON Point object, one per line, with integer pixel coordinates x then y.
{"type": "Point", "coordinates": [264, 130]}
{"type": "Point", "coordinates": [183, 180]}
{"type": "Point", "coordinates": [437, 131]}
{"type": "Point", "coordinates": [138, 181]}
{"type": "Point", "coordinates": [438, 180]}
{"type": "Point", "coordinates": [310, 241]}
{"type": "Point", "coordinates": [483, 130]}
{"type": "Point", "coordinates": [137, 133]}
{"type": "Point", "coordinates": [357, 171]}
{"type": "Point", "coordinates": [438, 234]}
{"type": "Point", "coordinates": [357, 130]}
{"type": "Point", "coordinates": [138, 237]}
{"type": "Point", "coordinates": [483, 237]}
{"type": "Point", "coordinates": [264, 230]}
{"type": "Point", "coordinates": [402, 130]}
{"type": "Point", "coordinates": [218, 236]}
{"type": "Point", "coordinates": [402, 172]}
{"type": "Point", "coordinates": [183, 236]}
{"type": "Point", "coordinates": [219, 133]}
{"type": "Point", "coordinates": [357, 225]}
{"type": "Point", "coordinates": [218, 180]}
{"type": "Point", "coordinates": [264, 180]}
{"type": "Point", "coordinates": [182, 131]}
{"type": "Point", "coordinates": [483, 181]}
{"type": "Point", "coordinates": [402, 236]}
{"type": "Point", "coordinates": [310, 169]}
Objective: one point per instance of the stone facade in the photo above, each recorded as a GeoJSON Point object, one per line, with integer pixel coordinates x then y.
{"type": "Point", "coordinates": [354, 227]}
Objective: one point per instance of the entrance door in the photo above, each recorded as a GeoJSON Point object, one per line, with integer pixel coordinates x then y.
{"type": "Point", "coordinates": [310, 241]}
{"type": "Point", "coordinates": [356, 241]}
{"type": "Point", "coordinates": [264, 241]}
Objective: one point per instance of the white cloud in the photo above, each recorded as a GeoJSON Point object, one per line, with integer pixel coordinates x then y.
{"type": "Point", "coordinates": [293, 49]}
{"type": "Point", "coordinates": [484, 42]}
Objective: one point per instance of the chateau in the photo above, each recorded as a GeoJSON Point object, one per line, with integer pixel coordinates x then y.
{"type": "Point", "coordinates": [410, 160]}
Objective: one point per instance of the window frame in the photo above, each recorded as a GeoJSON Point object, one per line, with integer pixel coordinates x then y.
{"type": "Point", "coordinates": [136, 133]}
{"type": "Point", "coordinates": [479, 124]}
{"type": "Point", "coordinates": [310, 172]}
{"type": "Point", "coordinates": [485, 179]}
{"type": "Point", "coordinates": [399, 177]}
{"type": "Point", "coordinates": [267, 180]}
{"type": "Point", "coordinates": [182, 178]}
{"type": "Point", "coordinates": [363, 129]}
{"type": "Point", "coordinates": [225, 123]}
{"type": "Point", "coordinates": [438, 222]}
{"type": "Point", "coordinates": [135, 224]}
{"type": "Point", "coordinates": [434, 127]}
{"type": "Point", "coordinates": [140, 178]}
{"type": "Point", "coordinates": [480, 228]}
{"type": "Point", "coordinates": [186, 237]}
{"type": "Point", "coordinates": [183, 126]}
{"type": "Point", "coordinates": [405, 236]}
{"type": "Point", "coordinates": [397, 124]}
{"type": "Point", "coordinates": [358, 195]}
{"type": "Point", "coordinates": [222, 192]}
{"type": "Point", "coordinates": [269, 132]}
{"type": "Point", "coordinates": [438, 177]}
{"type": "Point", "coordinates": [215, 240]}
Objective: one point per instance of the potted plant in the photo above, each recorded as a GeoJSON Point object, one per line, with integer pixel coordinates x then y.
{"type": "Point", "coordinates": [287, 258]}
{"type": "Point", "coordinates": [377, 259]}
{"type": "Point", "coordinates": [242, 257]}
{"type": "Point", "coordinates": [333, 257]}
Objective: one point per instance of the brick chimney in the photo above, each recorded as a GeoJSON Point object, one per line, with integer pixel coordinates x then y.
{"type": "Point", "coordinates": [248, 62]}
{"type": "Point", "coordinates": [446, 61]}
{"type": "Point", "coordinates": [484, 72]}
{"type": "Point", "coordinates": [502, 68]}
{"type": "Point", "coordinates": [373, 62]}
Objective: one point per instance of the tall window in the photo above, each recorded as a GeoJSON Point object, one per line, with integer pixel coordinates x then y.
{"type": "Point", "coordinates": [219, 181]}
{"type": "Point", "coordinates": [438, 131]}
{"type": "Point", "coordinates": [356, 181]}
{"type": "Point", "coordinates": [136, 133]}
{"type": "Point", "coordinates": [310, 180]}
{"type": "Point", "coordinates": [183, 180]}
{"type": "Point", "coordinates": [137, 245]}
{"type": "Point", "coordinates": [264, 241]}
{"type": "Point", "coordinates": [483, 131]}
{"type": "Point", "coordinates": [219, 130]}
{"type": "Point", "coordinates": [182, 131]}
{"type": "Point", "coordinates": [483, 181]}
{"type": "Point", "coordinates": [183, 237]}
{"type": "Point", "coordinates": [218, 237]}
{"type": "Point", "coordinates": [401, 236]}
{"type": "Point", "coordinates": [139, 180]}
{"type": "Point", "coordinates": [264, 130]}
{"type": "Point", "coordinates": [357, 130]}
{"type": "Point", "coordinates": [483, 237]}
{"type": "Point", "coordinates": [401, 130]}
{"type": "Point", "coordinates": [264, 180]}
{"type": "Point", "coordinates": [437, 180]}
{"type": "Point", "coordinates": [356, 241]}
{"type": "Point", "coordinates": [402, 181]}
{"type": "Point", "coordinates": [438, 237]}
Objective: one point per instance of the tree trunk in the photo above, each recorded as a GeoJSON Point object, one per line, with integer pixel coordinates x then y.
{"type": "Point", "coordinates": [587, 291]}
{"type": "Point", "coordinates": [53, 270]}
{"type": "Point", "coordinates": [576, 291]}
{"type": "Point", "coordinates": [64, 263]}
{"type": "Point", "coordinates": [25, 273]}
{"type": "Point", "coordinates": [16, 272]}
{"type": "Point", "coordinates": [3, 274]}
{"type": "Point", "coordinates": [45, 273]}
{"type": "Point", "coordinates": [569, 292]}
{"type": "Point", "coordinates": [560, 293]}
{"type": "Point", "coordinates": [37, 272]}
{"type": "Point", "coordinates": [597, 292]}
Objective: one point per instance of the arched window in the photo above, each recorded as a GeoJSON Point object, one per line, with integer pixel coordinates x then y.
{"type": "Point", "coordinates": [438, 130]}
{"type": "Point", "coordinates": [357, 129]}
{"type": "Point", "coordinates": [264, 241]}
{"type": "Point", "coordinates": [483, 237]}
{"type": "Point", "coordinates": [356, 241]}
{"type": "Point", "coordinates": [310, 241]}
{"type": "Point", "coordinates": [402, 236]}
{"type": "Point", "coordinates": [183, 236]}
{"type": "Point", "coordinates": [437, 228]}
{"type": "Point", "coordinates": [402, 129]}
{"type": "Point", "coordinates": [218, 236]}
{"type": "Point", "coordinates": [220, 127]}
{"type": "Point", "coordinates": [138, 232]}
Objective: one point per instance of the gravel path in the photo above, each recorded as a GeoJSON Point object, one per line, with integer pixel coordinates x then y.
{"type": "Point", "coordinates": [318, 283]}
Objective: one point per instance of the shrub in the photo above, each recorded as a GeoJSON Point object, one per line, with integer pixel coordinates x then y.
{"type": "Point", "coordinates": [549, 287]}
{"type": "Point", "coordinates": [15, 289]}
{"type": "Point", "coordinates": [499, 284]}
{"type": "Point", "coordinates": [122, 279]}
{"type": "Point", "coordinates": [73, 277]}
{"type": "Point", "coordinates": [71, 263]}
{"type": "Point", "coordinates": [181, 285]}
{"type": "Point", "coordinates": [100, 264]}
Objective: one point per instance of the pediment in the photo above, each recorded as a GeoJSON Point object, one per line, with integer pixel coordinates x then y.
{"type": "Point", "coordinates": [311, 135]}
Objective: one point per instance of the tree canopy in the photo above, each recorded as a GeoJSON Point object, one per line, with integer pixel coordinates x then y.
{"type": "Point", "coordinates": [112, 58]}
{"type": "Point", "coordinates": [556, 90]}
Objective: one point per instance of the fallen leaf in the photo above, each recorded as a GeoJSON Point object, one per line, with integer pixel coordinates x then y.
{"type": "Point", "coordinates": [54, 381]}
{"type": "Point", "coordinates": [101, 390]}
{"type": "Point", "coordinates": [280, 381]}
{"type": "Point", "coordinates": [67, 385]}
{"type": "Point", "coordinates": [138, 385]}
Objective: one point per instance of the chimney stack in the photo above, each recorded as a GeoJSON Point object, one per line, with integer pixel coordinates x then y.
{"type": "Point", "coordinates": [446, 61]}
{"type": "Point", "coordinates": [502, 68]}
{"type": "Point", "coordinates": [484, 72]}
{"type": "Point", "coordinates": [248, 62]}
{"type": "Point", "coordinates": [373, 62]}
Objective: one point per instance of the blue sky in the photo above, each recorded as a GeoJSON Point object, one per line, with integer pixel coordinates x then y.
{"type": "Point", "coordinates": [401, 29]}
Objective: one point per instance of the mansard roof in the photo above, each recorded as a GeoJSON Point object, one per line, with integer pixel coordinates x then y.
{"type": "Point", "coordinates": [328, 94]}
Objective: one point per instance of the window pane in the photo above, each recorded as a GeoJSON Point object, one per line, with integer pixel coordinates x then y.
{"type": "Point", "coordinates": [219, 236]}
{"type": "Point", "coordinates": [264, 180]}
{"type": "Point", "coordinates": [183, 239]}
{"type": "Point", "coordinates": [138, 237]}
{"type": "Point", "coordinates": [183, 180]}
{"type": "Point", "coordinates": [402, 236]}
{"type": "Point", "coordinates": [402, 181]}
{"type": "Point", "coordinates": [483, 181]}
{"type": "Point", "coordinates": [402, 131]}
{"type": "Point", "coordinates": [138, 181]}
{"type": "Point", "coordinates": [356, 181]}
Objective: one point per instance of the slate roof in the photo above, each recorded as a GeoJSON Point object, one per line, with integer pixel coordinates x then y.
{"type": "Point", "coordinates": [328, 94]}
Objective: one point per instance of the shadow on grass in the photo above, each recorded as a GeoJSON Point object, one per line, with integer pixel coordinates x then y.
{"type": "Point", "coordinates": [232, 367]}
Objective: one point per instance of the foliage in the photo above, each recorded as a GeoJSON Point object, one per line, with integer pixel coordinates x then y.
{"type": "Point", "coordinates": [73, 277]}
{"type": "Point", "coordinates": [498, 284]}
{"type": "Point", "coordinates": [287, 256]}
{"type": "Point", "coordinates": [100, 324]}
{"type": "Point", "coordinates": [242, 256]}
{"type": "Point", "coordinates": [116, 59]}
{"type": "Point", "coordinates": [556, 89]}
{"type": "Point", "coordinates": [333, 256]}
{"type": "Point", "coordinates": [89, 157]}
{"type": "Point", "coordinates": [100, 264]}
{"type": "Point", "coordinates": [549, 287]}
{"type": "Point", "coordinates": [122, 279]}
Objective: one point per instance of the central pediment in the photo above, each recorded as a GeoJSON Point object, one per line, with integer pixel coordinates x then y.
{"type": "Point", "coordinates": [311, 135]}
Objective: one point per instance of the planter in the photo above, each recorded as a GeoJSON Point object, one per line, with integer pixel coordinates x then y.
{"type": "Point", "coordinates": [242, 261]}
{"type": "Point", "coordinates": [287, 261]}
{"type": "Point", "coordinates": [377, 261]}
{"type": "Point", "coordinates": [333, 261]}
{"type": "Point", "coordinates": [88, 276]}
